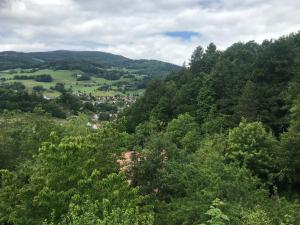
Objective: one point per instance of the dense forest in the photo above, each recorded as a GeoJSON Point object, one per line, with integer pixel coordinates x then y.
{"type": "Point", "coordinates": [216, 143]}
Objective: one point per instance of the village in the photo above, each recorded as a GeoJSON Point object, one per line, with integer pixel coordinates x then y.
{"type": "Point", "coordinates": [108, 107]}
{"type": "Point", "coordinates": [113, 99]}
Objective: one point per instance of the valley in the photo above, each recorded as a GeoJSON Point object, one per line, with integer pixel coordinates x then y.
{"type": "Point", "coordinates": [101, 83]}
{"type": "Point", "coordinates": [129, 84]}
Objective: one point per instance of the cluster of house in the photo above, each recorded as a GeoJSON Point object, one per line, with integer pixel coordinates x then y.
{"type": "Point", "coordinates": [126, 100]}
{"type": "Point", "coordinates": [112, 99]}
{"type": "Point", "coordinates": [119, 102]}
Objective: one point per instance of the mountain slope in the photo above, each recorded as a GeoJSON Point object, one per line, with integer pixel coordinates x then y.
{"type": "Point", "coordinates": [62, 59]}
{"type": "Point", "coordinates": [258, 82]}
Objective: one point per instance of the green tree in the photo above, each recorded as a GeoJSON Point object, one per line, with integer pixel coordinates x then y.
{"type": "Point", "coordinates": [248, 103]}
{"type": "Point", "coordinates": [205, 98]}
{"type": "Point", "coordinates": [179, 130]}
{"type": "Point", "coordinates": [145, 130]}
{"type": "Point", "coordinates": [117, 204]}
{"type": "Point", "coordinates": [217, 217]}
{"type": "Point", "coordinates": [61, 169]}
{"type": "Point", "coordinates": [146, 168]}
{"type": "Point", "coordinates": [188, 187]}
{"type": "Point", "coordinates": [289, 157]}
{"type": "Point", "coordinates": [203, 62]}
{"type": "Point", "coordinates": [252, 146]}
{"type": "Point", "coordinates": [22, 134]}
{"type": "Point", "coordinates": [257, 217]}
{"type": "Point", "coordinates": [163, 110]}
{"type": "Point", "coordinates": [197, 55]}
{"type": "Point", "coordinates": [70, 102]}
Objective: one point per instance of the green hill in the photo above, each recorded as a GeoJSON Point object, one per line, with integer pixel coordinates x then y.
{"type": "Point", "coordinates": [87, 61]}
{"type": "Point", "coordinates": [98, 73]}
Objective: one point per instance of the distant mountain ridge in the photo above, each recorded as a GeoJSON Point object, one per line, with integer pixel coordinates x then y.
{"type": "Point", "coordinates": [88, 61]}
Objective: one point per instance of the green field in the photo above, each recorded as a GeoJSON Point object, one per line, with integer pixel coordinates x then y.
{"type": "Point", "coordinates": [68, 78]}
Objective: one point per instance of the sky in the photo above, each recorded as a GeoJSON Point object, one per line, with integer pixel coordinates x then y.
{"type": "Point", "coordinates": [167, 30]}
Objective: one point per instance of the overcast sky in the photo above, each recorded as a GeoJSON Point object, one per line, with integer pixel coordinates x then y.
{"type": "Point", "coordinates": [167, 30]}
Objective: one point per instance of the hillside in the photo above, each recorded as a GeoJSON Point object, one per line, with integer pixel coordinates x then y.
{"type": "Point", "coordinates": [216, 143]}
{"type": "Point", "coordinates": [87, 61]}
{"type": "Point", "coordinates": [209, 132]}
{"type": "Point", "coordinates": [250, 80]}
{"type": "Point", "coordinates": [98, 73]}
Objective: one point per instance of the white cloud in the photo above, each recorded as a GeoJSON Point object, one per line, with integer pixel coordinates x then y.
{"type": "Point", "coordinates": [135, 28]}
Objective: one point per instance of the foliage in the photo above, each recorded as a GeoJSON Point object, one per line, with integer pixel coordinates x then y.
{"type": "Point", "coordinates": [62, 170]}
{"type": "Point", "coordinates": [119, 208]}
{"type": "Point", "coordinates": [289, 156]}
{"type": "Point", "coordinates": [22, 134]}
{"type": "Point", "coordinates": [246, 80]}
{"type": "Point", "coordinates": [216, 214]}
{"type": "Point", "coordinates": [253, 147]}
{"type": "Point", "coordinates": [257, 217]}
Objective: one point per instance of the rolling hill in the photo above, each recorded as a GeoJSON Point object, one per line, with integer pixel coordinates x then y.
{"type": "Point", "coordinates": [87, 61]}
{"type": "Point", "coordinates": [97, 73]}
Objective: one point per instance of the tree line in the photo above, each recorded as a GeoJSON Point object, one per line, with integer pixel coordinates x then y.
{"type": "Point", "coordinates": [38, 78]}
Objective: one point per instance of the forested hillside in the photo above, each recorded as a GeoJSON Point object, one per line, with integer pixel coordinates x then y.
{"type": "Point", "coordinates": [216, 143]}
{"type": "Point", "coordinates": [257, 82]}
{"type": "Point", "coordinates": [86, 61]}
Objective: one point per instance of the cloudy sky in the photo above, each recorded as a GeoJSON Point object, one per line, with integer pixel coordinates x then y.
{"type": "Point", "coordinates": [167, 30]}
